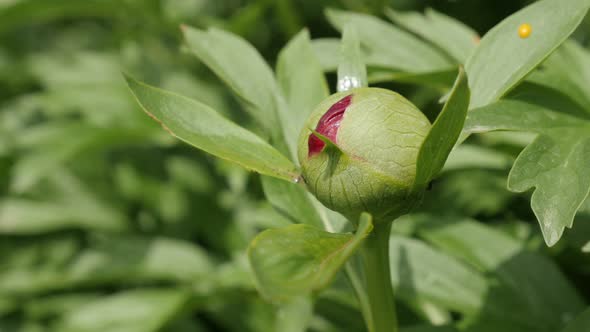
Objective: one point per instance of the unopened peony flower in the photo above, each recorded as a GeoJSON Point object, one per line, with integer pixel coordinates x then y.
{"type": "Point", "coordinates": [358, 152]}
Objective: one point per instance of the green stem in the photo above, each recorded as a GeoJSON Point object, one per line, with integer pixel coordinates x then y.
{"type": "Point", "coordinates": [375, 256]}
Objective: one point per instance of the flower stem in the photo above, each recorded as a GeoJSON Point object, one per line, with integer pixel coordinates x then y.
{"type": "Point", "coordinates": [375, 257]}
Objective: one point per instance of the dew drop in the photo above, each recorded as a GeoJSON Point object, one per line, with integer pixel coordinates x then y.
{"type": "Point", "coordinates": [348, 83]}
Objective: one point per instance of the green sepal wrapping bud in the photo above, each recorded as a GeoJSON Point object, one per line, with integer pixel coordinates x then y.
{"type": "Point", "coordinates": [370, 166]}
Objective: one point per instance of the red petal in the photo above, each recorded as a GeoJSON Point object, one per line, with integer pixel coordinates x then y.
{"type": "Point", "coordinates": [328, 125]}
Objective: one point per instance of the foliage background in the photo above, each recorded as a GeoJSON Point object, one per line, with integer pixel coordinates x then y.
{"type": "Point", "coordinates": [109, 224]}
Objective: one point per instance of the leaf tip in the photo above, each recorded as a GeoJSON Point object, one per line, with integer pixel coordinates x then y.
{"type": "Point", "coordinates": [332, 15]}
{"type": "Point", "coordinates": [129, 80]}
{"type": "Point", "coordinates": [551, 235]}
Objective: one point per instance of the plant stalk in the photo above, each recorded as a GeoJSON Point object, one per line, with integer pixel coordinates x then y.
{"type": "Point", "coordinates": [375, 257]}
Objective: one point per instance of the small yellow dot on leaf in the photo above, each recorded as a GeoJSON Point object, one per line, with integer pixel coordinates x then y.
{"type": "Point", "coordinates": [525, 30]}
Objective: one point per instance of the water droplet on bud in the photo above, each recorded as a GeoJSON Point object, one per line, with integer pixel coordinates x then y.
{"type": "Point", "coordinates": [348, 83]}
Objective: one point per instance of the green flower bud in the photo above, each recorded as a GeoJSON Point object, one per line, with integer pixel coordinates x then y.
{"type": "Point", "coordinates": [358, 152]}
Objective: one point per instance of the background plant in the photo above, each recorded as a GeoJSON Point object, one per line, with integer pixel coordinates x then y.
{"type": "Point", "coordinates": [102, 211]}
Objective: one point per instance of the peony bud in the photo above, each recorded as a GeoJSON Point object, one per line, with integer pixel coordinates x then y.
{"type": "Point", "coordinates": [358, 152]}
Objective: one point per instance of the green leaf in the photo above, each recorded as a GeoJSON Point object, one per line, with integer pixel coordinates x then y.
{"type": "Point", "coordinates": [24, 12]}
{"type": "Point", "coordinates": [54, 305]}
{"type": "Point", "coordinates": [8, 305]}
{"type": "Point", "coordinates": [568, 71]}
{"type": "Point", "coordinates": [24, 216]}
{"type": "Point", "coordinates": [352, 72]}
{"type": "Point", "coordinates": [142, 258]}
{"type": "Point", "coordinates": [580, 323]}
{"type": "Point", "coordinates": [72, 204]}
{"type": "Point", "coordinates": [202, 127]}
{"type": "Point", "coordinates": [444, 133]}
{"type": "Point", "coordinates": [302, 82]}
{"type": "Point", "coordinates": [428, 328]}
{"type": "Point", "coordinates": [503, 59]}
{"type": "Point", "coordinates": [51, 146]}
{"type": "Point", "coordinates": [198, 88]}
{"type": "Point", "coordinates": [466, 156]}
{"type": "Point", "coordinates": [241, 67]}
{"type": "Point", "coordinates": [107, 260]}
{"type": "Point", "coordinates": [528, 291]}
{"type": "Point", "coordinates": [441, 80]}
{"type": "Point", "coordinates": [295, 315]}
{"type": "Point", "coordinates": [83, 68]}
{"type": "Point", "coordinates": [421, 272]}
{"type": "Point", "coordinates": [518, 116]}
{"type": "Point", "coordinates": [291, 199]}
{"type": "Point", "coordinates": [556, 165]}
{"type": "Point", "coordinates": [301, 259]}
{"type": "Point", "coordinates": [328, 52]}
{"type": "Point", "coordinates": [288, 17]}
{"type": "Point", "coordinates": [546, 96]}
{"type": "Point", "coordinates": [532, 295]}
{"type": "Point", "coordinates": [455, 191]}
{"type": "Point", "coordinates": [142, 310]}
{"type": "Point", "coordinates": [188, 173]}
{"type": "Point", "coordinates": [452, 36]}
{"type": "Point", "coordinates": [83, 83]}
{"type": "Point", "coordinates": [487, 247]}
{"type": "Point", "coordinates": [331, 147]}
{"type": "Point", "coordinates": [391, 46]}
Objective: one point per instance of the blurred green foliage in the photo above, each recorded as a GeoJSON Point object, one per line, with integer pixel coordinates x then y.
{"type": "Point", "coordinates": [109, 224]}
